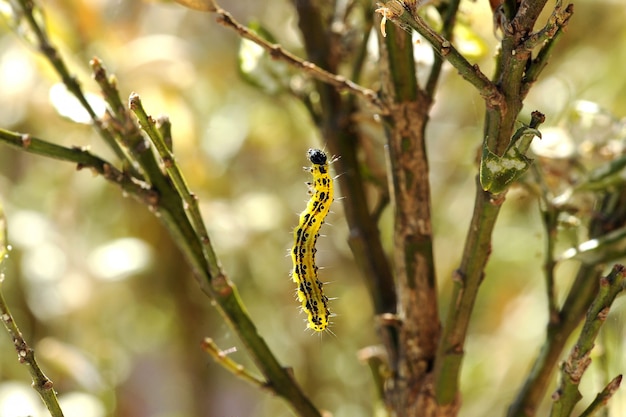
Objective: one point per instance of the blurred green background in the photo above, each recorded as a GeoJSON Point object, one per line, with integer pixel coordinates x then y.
{"type": "Point", "coordinates": [106, 299]}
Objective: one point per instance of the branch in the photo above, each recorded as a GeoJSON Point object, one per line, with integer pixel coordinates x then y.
{"type": "Point", "coordinates": [549, 216]}
{"type": "Point", "coordinates": [503, 108]}
{"type": "Point", "coordinates": [610, 214]}
{"type": "Point", "coordinates": [556, 22]}
{"type": "Point", "coordinates": [567, 395]}
{"type": "Point", "coordinates": [409, 188]}
{"type": "Point", "coordinates": [449, 20]}
{"type": "Point", "coordinates": [25, 354]}
{"type": "Point", "coordinates": [170, 165]}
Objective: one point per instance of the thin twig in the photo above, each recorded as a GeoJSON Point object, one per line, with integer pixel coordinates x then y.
{"type": "Point", "coordinates": [128, 132]}
{"type": "Point", "coordinates": [602, 398]}
{"type": "Point", "coordinates": [25, 354]}
{"type": "Point", "coordinates": [549, 216]}
{"type": "Point", "coordinates": [83, 159]}
{"type": "Point", "coordinates": [221, 357]}
{"type": "Point", "coordinates": [558, 20]}
{"type": "Point", "coordinates": [549, 36]}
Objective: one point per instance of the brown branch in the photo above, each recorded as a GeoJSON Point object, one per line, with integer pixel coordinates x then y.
{"type": "Point", "coordinates": [409, 185]}
{"type": "Point", "coordinates": [558, 20]}
{"type": "Point", "coordinates": [279, 53]}
{"type": "Point", "coordinates": [26, 355]}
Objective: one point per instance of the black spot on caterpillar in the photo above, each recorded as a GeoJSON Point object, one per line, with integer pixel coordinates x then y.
{"type": "Point", "coordinates": [309, 287]}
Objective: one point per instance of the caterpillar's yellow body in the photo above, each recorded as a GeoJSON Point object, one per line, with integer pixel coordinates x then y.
{"type": "Point", "coordinates": [310, 288]}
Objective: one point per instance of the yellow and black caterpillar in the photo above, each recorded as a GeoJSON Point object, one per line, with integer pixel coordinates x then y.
{"type": "Point", "coordinates": [304, 274]}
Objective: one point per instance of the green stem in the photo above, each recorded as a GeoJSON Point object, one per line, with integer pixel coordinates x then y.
{"type": "Point", "coordinates": [611, 214]}
{"type": "Point", "coordinates": [41, 383]}
{"type": "Point", "coordinates": [172, 169]}
{"type": "Point", "coordinates": [572, 370]}
{"type": "Point", "coordinates": [602, 398]}
{"type": "Point", "coordinates": [233, 367]}
{"type": "Point", "coordinates": [466, 284]}
{"type": "Point", "coordinates": [549, 216]}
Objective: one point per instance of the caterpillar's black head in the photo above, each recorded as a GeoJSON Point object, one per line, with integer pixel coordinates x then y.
{"type": "Point", "coordinates": [316, 156]}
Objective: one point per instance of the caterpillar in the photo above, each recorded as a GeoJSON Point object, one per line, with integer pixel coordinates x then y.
{"type": "Point", "coordinates": [309, 287]}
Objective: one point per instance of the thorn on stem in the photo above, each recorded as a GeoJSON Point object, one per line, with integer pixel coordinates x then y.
{"type": "Point", "coordinates": [26, 140]}
{"type": "Point", "coordinates": [445, 48]}
{"type": "Point", "coordinates": [134, 101]}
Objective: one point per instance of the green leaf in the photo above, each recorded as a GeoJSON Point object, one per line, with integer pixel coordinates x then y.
{"type": "Point", "coordinates": [498, 173]}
